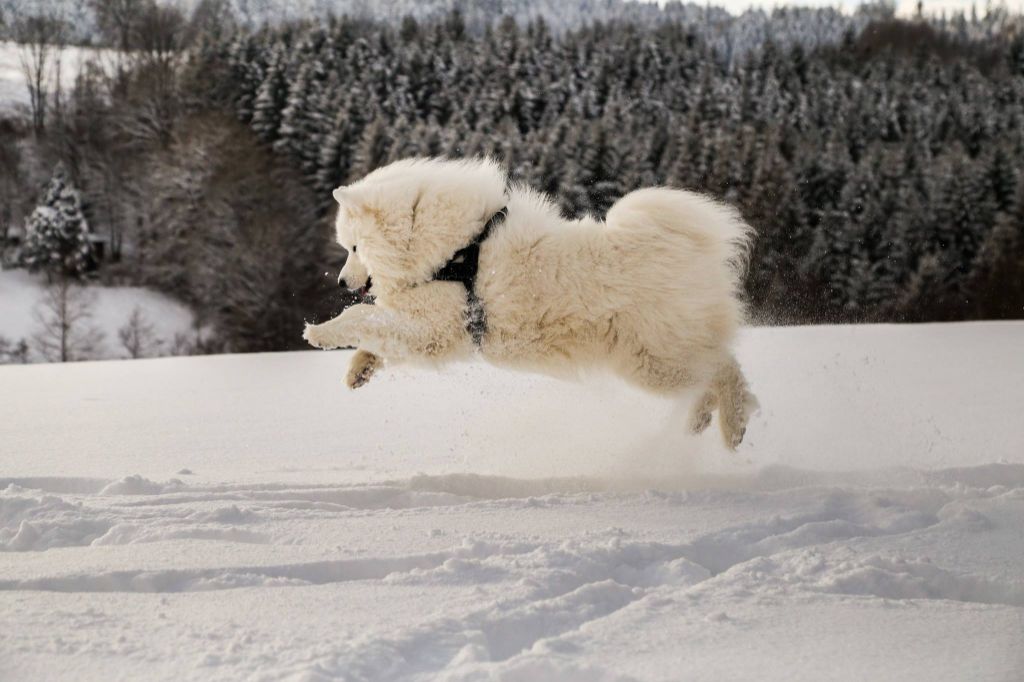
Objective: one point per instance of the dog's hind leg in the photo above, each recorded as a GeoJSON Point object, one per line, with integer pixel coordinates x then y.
{"type": "Point", "coordinates": [735, 401]}
{"type": "Point", "coordinates": [700, 413]}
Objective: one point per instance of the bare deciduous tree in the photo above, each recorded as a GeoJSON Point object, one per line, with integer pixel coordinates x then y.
{"type": "Point", "coordinates": [66, 333]}
{"type": "Point", "coordinates": [108, 169]}
{"type": "Point", "coordinates": [41, 37]}
{"type": "Point", "coordinates": [212, 18]}
{"type": "Point", "coordinates": [13, 353]}
{"type": "Point", "coordinates": [118, 20]}
{"type": "Point", "coordinates": [159, 39]}
{"type": "Point", "coordinates": [138, 336]}
{"type": "Point", "coordinates": [182, 345]}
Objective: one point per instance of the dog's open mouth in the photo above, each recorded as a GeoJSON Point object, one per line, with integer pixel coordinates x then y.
{"type": "Point", "coordinates": [363, 292]}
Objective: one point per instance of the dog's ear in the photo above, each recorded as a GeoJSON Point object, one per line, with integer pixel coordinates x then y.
{"type": "Point", "coordinates": [340, 196]}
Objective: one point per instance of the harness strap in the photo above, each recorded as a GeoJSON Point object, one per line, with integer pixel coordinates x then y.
{"type": "Point", "coordinates": [462, 267]}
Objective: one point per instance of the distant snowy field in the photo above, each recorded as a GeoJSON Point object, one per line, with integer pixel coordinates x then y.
{"type": "Point", "coordinates": [13, 84]}
{"type": "Point", "coordinates": [13, 93]}
{"type": "Point", "coordinates": [247, 517]}
{"type": "Point", "coordinates": [21, 292]}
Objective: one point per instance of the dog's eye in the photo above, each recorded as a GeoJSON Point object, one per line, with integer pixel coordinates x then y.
{"type": "Point", "coordinates": [353, 248]}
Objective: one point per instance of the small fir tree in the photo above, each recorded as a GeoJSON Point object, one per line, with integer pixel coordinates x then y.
{"type": "Point", "coordinates": [57, 240]}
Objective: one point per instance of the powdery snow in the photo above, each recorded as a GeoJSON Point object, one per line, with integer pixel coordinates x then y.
{"type": "Point", "coordinates": [247, 517]}
{"type": "Point", "coordinates": [21, 293]}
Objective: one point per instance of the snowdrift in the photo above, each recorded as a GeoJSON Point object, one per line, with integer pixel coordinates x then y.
{"type": "Point", "coordinates": [247, 517]}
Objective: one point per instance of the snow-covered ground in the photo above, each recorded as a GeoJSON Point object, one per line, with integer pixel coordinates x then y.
{"type": "Point", "coordinates": [247, 517]}
{"type": "Point", "coordinates": [21, 294]}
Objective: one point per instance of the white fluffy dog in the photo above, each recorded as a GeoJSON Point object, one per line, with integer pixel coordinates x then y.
{"type": "Point", "coordinates": [458, 261]}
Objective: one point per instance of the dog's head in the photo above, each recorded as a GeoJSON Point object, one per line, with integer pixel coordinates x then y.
{"type": "Point", "coordinates": [401, 223]}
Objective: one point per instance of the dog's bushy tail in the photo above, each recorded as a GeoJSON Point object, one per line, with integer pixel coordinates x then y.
{"type": "Point", "coordinates": [711, 227]}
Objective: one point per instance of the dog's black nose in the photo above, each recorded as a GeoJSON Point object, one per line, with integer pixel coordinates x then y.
{"type": "Point", "coordinates": [360, 290]}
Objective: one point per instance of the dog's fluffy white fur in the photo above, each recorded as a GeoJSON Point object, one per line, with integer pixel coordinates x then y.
{"type": "Point", "coordinates": [652, 292]}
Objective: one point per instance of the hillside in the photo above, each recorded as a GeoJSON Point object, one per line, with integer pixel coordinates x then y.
{"type": "Point", "coordinates": [248, 517]}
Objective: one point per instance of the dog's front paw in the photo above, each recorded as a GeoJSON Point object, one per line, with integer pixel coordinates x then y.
{"type": "Point", "coordinates": [317, 336]}
{"type": "Point", "coordinates": [362, 367]}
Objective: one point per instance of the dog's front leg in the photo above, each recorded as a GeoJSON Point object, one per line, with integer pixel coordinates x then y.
{"type": "Point", "coordinates": [361, 368]}
{"type": "Point", "coordinates": [340, 332]}
{"type": "Point", "coordinates": [335, 333]}
{"type": "Point", "coordinates": [374, 329]}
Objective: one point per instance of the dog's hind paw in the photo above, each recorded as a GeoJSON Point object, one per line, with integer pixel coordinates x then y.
{"type": "Point", "coordinates": [734, 438]}
{"type": "Point", "coordinates": [699, 421]}
{"type": "Point", "coordinates": [700, 415]}
{"type": "Point", "coordinates": [734, 419]}
{"type": "Point", "coordinates": [362, 367]}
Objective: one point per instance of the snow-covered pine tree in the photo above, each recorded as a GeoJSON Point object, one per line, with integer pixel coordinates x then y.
{"type": "Point", "coordinates": [298, 134]}
{"type": "Point", "coordinates": [601, 163]}
{"type": "Point", "coordinates": [246, 64]}
{"type": "Point", "coordinates": [869, 279]}
{"type": "Point", "coordinates": [889, 248]}
{"type": "Point", "coordinates": [372, 150]}
{"type": "Point", "coordinates": [773, 204]}
{"type": "Point", "coordinates": [271, 97]}
{"type": "Point", "coordinates": [574, 197]}
{"type": "Point", "coordinates": [964, 218]}
{"type": "Point", "coordinates": [997, 277]}
{"type": "Point", "coordinates": [57, 239]}
{"type": "Point", "coordinates": [696, 101]}
{"type": "Point", "coordinates": [401, 143]}
{"type": "Point", "coordinates": [1002, 178]}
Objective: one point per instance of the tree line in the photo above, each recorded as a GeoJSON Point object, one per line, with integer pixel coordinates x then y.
{"type": "Point", "coordinates": [881, 173]}
{"type": "Point", "coordinates": [877, 158]}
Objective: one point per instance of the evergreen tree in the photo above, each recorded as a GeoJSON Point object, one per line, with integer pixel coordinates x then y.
{"type": "Point", "coordinates": [299, 131]}
{"type": "Point", "coordinates": [1002, 178]}
{"type": "Point", "coordinates": [874, 174]}
{"type": "Point", "coordinates": [963, 220]}
{"type": "Point", "coordinates": [271, 97]}
{"type": "Point", "coordinates": [57, 240]}
{"type": "Point", "coordinates": [372, 150]}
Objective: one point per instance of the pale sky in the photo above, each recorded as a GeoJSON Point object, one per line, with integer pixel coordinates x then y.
{"type": "Point", "coordinates": [904, 7]}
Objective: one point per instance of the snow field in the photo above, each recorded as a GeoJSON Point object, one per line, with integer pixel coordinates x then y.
{"type": "Point", "coordinates": [246, 517]}
{"type": "Point", "coordinates": [21, 293]}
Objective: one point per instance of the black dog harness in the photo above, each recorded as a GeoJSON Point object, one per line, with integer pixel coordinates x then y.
{"type": "Point", "coordinates": [462, 267]}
